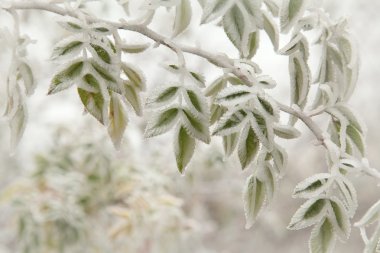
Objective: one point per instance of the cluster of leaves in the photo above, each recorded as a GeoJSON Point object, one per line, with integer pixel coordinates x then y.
{"type": "Point", "coordinates": [105, 84]}
{"type": "Point", "coordinates": [79, 198]}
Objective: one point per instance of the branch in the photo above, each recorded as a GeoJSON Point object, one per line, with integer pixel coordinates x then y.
{"type": "Point", "coordinates": [218, 60]}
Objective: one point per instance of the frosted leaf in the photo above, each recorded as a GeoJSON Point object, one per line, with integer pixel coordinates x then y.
{"type": "Point", "coordinates": [133, 98]}
{"type": "Point", "coordinates": [17, 124]}
{"type": "Point", "coordinates": [196, 102]}
{"type": "Point", "coordinates": [230, 143]}
{"type": "Point", "coordinates": [266, 82]}
{"type": "Point", "coordinates": [313, 186]}
{"type": "Point", "coordinates": [286, 131]}
{"type": "Point", "coordinates": [267, 175]}
{"type": "Point", "coordinates": [184, 146]}
{"type": "Point", "coordinates": [339, 218]}
{"type": "Point", "coordinates": [254, 197]}
{"type": "Point", "coordinates": [298, 43]}
{"type": "Point", "coordinates": [214, 9]}
{"type": "Point", "coordinates": [182, 17]}
{"type": "Point", "coordinates": [101, 52]}
{"type": "Point", "coordinates": [235, 95]}
{"type": "Point", "coordinates": [348, 193]}
{"type": "Point", "coordinates": [163, 96]}
{"type": "Point", "coordinates": [162, 122]}
{"type": "Point", "coordinates": [118, 120]}
{"type": "Point", "coordinates": [323, 238]}
{"type": "Point", "coordinates": [135, 48]}
{"type": "Point", "coordinates": [67, 76]}
{"type": "Point", "coordinates": [271, 29]}
{"type": "Point", "coordinates": [68, 47]}
{"type": "Point", "coordinates": [280, 158]}
{"type": "Point", "coordinates": [231, 122]}
{"type": "Point", "coordinates": [215, 87]}
{"type": "Point", "coordinates": [291, 11]}
{"type": "Point", "coordinates": [72, 24]}
{"type": "Point", "coordinates": [272, 6]}
{"type": "Point", "coordinates": [135, 76]}
{"type": "Point", "coordinates": [311, 212]}
{"type": "Point", "coordinates": [253, 7]}
{"type": "Point", "coordinates": [267, 106]}
{"type": "Point", "coordinates": [216, 113]}
{"type": "Point", "coordinates": [195, 127]}
{"type": "Point", "coordinates": [248, 147]}
{"type": "Point", "coordinates": [262, 129]}
{"type": "Point", "coordinates": [27, 77]}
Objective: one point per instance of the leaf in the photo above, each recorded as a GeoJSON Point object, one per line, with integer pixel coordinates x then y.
{"type": "Point", "coordinates": [71, 24]}
{"type": "Point", "coordinates": [184, 146]}
{"type": "Point", "coordinates": [263, 130]}
{"type": "Point", "coordinates": [271, 29]}
{"type": "Point", "coordinates": [182, 17]}
{"type": "Point", "coordinates": [286, 131]}
{"type": "Point", "coordinates": [323, 238]}
{"type": "Point", "coordinates": [356, 138]}
{"type": "Point", "coordinates": [253, 44]}
{"type": "Point", "coordinates": [272, 7]}
{"type": "Point", "coordinates": [312, 186]}
{"type": "Point", "coordinates": [67, 47]}
{"type": "Point", "coordinates": [340, 219]}
{"type": "Point", "coordinates": [94, 102]}
{"type": "Point", "coordinates": [217, 112]}
{"type": "Point", "coordinates": [238, 29]}
{"type": "Point", "coordinates": [66, 77]}
{"type": "Point", "coordinates": [230, 143]}
{"type": "Point", "coordinates": [132, 96]}
{"type": "Point", "coordinates": [253, 7]}
{"type": "Point", "coordinates": [280, 158]}
{"type": "Point", "coordinates": [135, 76]}
{"type": "Point", "coordinates": [230, 122]}
{"type": "Point", "coordinates": [162, 122]}
{"type": "Point", "coordinates": [215, 9]}
{"type": "Point", "coordinates": [101, 53]}
{"type": "Point", "coordinates": [235, 95]}
{"type": "Point", "coordinates": [135, 48]}
{"type": "Point", "coordinates": [27, 77]}
{"type": "Point", "coordinates": [291, 11]}
{"type": "Point", "coordinates": [249, 146]}
{"type": "Point", "coordinates": [354, 120]}
{"type": "Point", "coordinates": [196, 101]}
{"type": "Point", "coordinates": [163, 96]}
{"type": "Point", "coordinates": [268, 177]}
{"type": "Point", "coordinates": [215, 87]}
{"type": "Point", "coordinates": [254, 196]}
{"type": "Point", "coordinates": [308, 214]}
{"type": "Point", "coordinates": [348, 192]}
{"type": "Point", "coordinates": [195, 127]}
{"type": "Point", "coordinates": [17, 124]}
{"type": "Point", "coordinates": [118, 120]}
{"type": "Point", "coordinates": [267, 106]}
{"type": "Point", "coordinates": [103, 73]}
{"type": "Point", "coordinates": [199, 78]}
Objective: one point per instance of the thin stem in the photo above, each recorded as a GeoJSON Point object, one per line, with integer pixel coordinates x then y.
{"type": "Point", "coordinates": [218, 60]}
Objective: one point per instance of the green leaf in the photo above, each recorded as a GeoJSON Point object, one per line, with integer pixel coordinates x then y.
{"type": "Point", "coordinates": [230, 143]}
{"type": "Point", "coordinates": [198, 128]}
{"type": "Point", "coordinates": [291, 12]}
{"type": "Point", "coordinates": [104, 73]}
{"type": "Point", "coordinates": [312, 186]}
{"type": "Point", "coordinates": [164, 96]}
{"type": "Point", "coordinates": [66, 77]}
{"type": "Point", "coordinates": [135, 76]}
{"type": "Point", "coordinates": [132, 96]}
{"type": "Point", "coordinates": [65, 48]}
{"type": "Point", "coordinates": [356, 138]}
{"type": "Point", "coordinates": [254, 197]}
{"type": "Point", "coordinates": [184, 146]}
{"type": "Point", "coordinates": [230, 123]}
{"type": "Point", "coordinates": [340, 219]}
{"type": "Point", "coordinates": [271, 30]}
{"type": "Point", "coordinates": [235, 95]}
{"type": "Point", "coordinates": [249, 146]}
{"type": "Point", "coordinates": [118, 119]}
{"type": "Point", "coordinates": [286, 131]}
{"type": "Point", "coordinates": [216, 86]}
{"type": "Point", "coordinates": [323, 238]}
{"type": "Point", "coordinates": [102, 53]}
{"type": "Point", "coordinates": [162, 122]}
{"type": "Point", "coordinates": [94, 102]}
{"type": "Point", "coordinates": [182, 17]}
{"type": "Point", "coordinates": [308, 214]}
{"type": "Point", "coordinates": [135, 48]}
{"type": "Point", "coordinates": [217, 112]}
{"type": "Point", "coordinates": [196, 101]}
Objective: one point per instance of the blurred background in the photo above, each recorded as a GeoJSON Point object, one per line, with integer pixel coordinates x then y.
{"type": "Point", "coordinates": [66, 189]}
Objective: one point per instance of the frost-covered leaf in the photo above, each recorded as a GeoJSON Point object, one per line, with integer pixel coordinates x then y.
{"type": "Point", "coordinates": [94, 102]}
{"type": "Point", "coordinates": [182, 17]}
{"type": "Point", "coordinates": [340, 219]}
{"type": "Point", "coordinates": [101, 52]}
{"type": "Point", "coordinates": [267, 106]}
{"type": "Point", "coordinates": [253, 7]}
{"type": "Point", "coordinates": [72, 24]}
{"type": "Point", "coordinates": [312, 187]}
{"type": "Point", "coordinates": [286, 131]}
{"type": "Point", "coordinates": [372, 215]}
{"type": "Point", "coordinates": [280, 158]}
{"type": "Point", "coordinates": [249, 146]}
{"type": "Point", "coordinates": [353, 119]}
{"type": "Point", "coordinates": [263, 129]}
{"type": "Point", "coordinates": [104, 73]}
{"type": "Point", "coordinates": [230, 122]}
{"type": "Point", "coordinates": [216, 86]}
{"type": "Point", "coordinates": [311, 212]}
{"type": "Point", "coordinates": [271, 29]}
{"type": "Point", "coordinates": [291, 11]}
{"type": "Point", "coordinates": [349, 195]}
{"type": "Point", "coordinates": [67, 47]}
{"type": "Point", "coordinates": [26, 74]}
{"type": "Point", "coordinates": [163, 96]}
{"type": "Point", "coordinates": [214, 9]}
{"type": "Point", "coordinates": [184, 146]}
{"type": "Point", "coordinates": [135, 48]}
{"type": "Point", "coordinates": [273, 7]}
{"type": "Point", "coordinates": [217, 112]}
{"type": "Point", "coordinates": [323, 238]}
{"type": "Point", "coordinates": [299, 44]}
{"type": "Point", "coordinates": [268, 176]}
{"type": "Point", "coordinates": [230, 143]}
{"type": "Point", "coordinates": [254, 197]}
{"type": "Point", "coordinates": [357, 138]}
{"type": "Point", "coordinates": [66, 78]}
{"type": "Point", "coordinates": [196, 127]}
{"type": "Point", "coordinates": [162, 122]}
{"type": "Point", "coordinates": [118, 120]}
{"type": "Point", "coordinates": [235, 95]}
{"type": "Point", "coordinates": [133, 98]}
{"type": "Point", "coordinates": [135, 76]}
{"type": "Point", "coordinates": [17, 124]}
{"type": "Point", "coordinates": [196, 101]}
{"type": "Point", "coordinates": [266, 82]}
